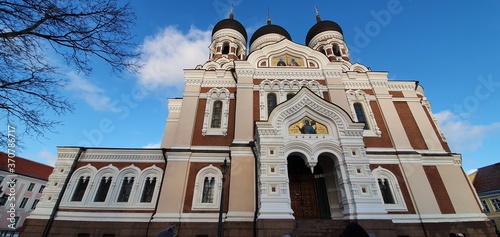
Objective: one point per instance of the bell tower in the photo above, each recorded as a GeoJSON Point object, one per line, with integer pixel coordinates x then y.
{"type": "Point", "coordinates": [327, 37]}
{"type": "Point", "coordinates": [229, 39]}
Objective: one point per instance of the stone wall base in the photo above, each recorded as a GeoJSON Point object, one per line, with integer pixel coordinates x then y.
{"type": "Point", "coordinates": [263, 228]}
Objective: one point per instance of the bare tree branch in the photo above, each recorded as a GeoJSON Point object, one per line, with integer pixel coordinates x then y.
{"type": "Point", "coordinates": [80, 31]}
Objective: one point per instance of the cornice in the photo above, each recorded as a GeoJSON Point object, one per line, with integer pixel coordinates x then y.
{"type": "Point", "coordinates": [299, 74]}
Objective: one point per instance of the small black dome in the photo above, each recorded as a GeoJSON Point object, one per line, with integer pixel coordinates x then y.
{"type": "Point", "coordinates": [321, 27]}
{"type": "Point", "coordinates": [269, 29]}
{"type": "Point", "coordinates": [230, 24]}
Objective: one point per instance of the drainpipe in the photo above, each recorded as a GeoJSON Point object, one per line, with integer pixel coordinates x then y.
{"type": "Point", "coordinates": [163, 152]}
{"type": "Point", "coordinates": [252, 146]}
{"type": "Point", "coordinates": [61, 194]}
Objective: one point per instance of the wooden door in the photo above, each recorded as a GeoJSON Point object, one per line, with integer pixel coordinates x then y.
{"type": "Point", "coordinates": [302, 190]}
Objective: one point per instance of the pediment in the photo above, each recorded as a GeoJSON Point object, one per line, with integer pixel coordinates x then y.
{"type": "Point", "coordinates": [287, 54]}
{"type": "Point", "coordinates": [305, 108]}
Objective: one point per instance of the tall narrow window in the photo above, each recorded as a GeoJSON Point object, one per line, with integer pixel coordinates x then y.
{"type": "Point", "coordinates": [33, 206]}
{"type": "Point", "coordinates": [289, 96]}
{"type": "Point", "coordinates": [148, 191]}
{"type": "Point", "coordinates": [23, 202]}
{"type": "Point", "coordinates": [486, 209]}
{"type": "Point", "coordinates": [126, 189]}
{"type": "Point", "coordinates": [103, 189]}
{"type": "Point", "coordinates": [225, 48]}
{"type": "Point", "coordinates": [271, 102]}
{"type": "Point", "coordinates": [495, 202]}
{"type": "Point", "coordinates": [208, 190]}
{"type": "Point", "coordinates": [41, 189]}
{"type": "Point", "coordinates": [216, 114]}
{"type": "Point", "coordinates": [385, 189]}
{"type": "Point", "coordinates": [81, 186]}
{"type": "Point", "coordinates": [360, 113]}
{"type": "Point", "coordinates": [31, 187]}
{"type": "Point", "coordinates": [336, 50]}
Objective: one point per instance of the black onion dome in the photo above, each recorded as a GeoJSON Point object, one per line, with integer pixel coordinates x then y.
{"type": "Point", "coordinates": [230, 24]}
{"type": "Point", "coordinates": [321, 27]}
{"type": "Point", "coordinates": [269, 29]}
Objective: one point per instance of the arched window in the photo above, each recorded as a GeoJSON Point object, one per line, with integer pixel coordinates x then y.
{"type": "Point", "coordinates": [390, 190]}
{"type": "Point", "coordinates": [336, 50]}
{"type": "Point", "coordinates": [385, 190]}
{"type": "Point", "coordinates": [148, 190]}
{"type": "Point", "coordinates": [271, 102]}
{"type": "Point", "coordinates": [102, 191]}
{"type": "Point", "coordinates": [216, 114]}
{"type": "Point", "coordinates": [360, 114]}
{"type": "Point", "coordinates": [207, 188]}
{"type": "Point", "coordinates": [215, 121]}
{"type": "Point", "coordinates": [126, 189]}
{"type": "Point", "coordinates": [225, 48]}
{"type": "Point", "coordinates": [81, 187]}
{"type": "Point", "coordinates": [289, 95]}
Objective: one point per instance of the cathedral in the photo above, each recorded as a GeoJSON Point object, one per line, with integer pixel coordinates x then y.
{"type": "Point", "coordinates": [272, 138]}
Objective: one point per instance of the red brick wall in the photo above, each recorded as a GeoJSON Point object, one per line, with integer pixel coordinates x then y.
{"type": "Point", "coordinates": [395, 169]}
{"type": "Point", "coordinates": [410, 125]}
{"type": "Point", "coordinates": [439, 190]}
{"type": "Point", "coordinates": [384, 140]}
{"type": "Point", "coordinates": [195, 167]}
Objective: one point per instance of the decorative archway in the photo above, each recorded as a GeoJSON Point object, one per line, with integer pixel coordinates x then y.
{"type": "Point", "coordinates": [340, 138]}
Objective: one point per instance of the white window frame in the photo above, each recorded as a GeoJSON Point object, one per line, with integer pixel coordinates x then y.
{"type": "Point", "coordinates": [359, 96]}
{"type": "Point", "coordinates": [151, 172]}
{"type": "Point", "coordinates": [496, 206]}
{"type": "Point", "coordinates": [399, 203]}
{"type": "Point", "coordinates": [486, 208]}
{"type": "Point", "coordinates": [86, 171]}
{"type": "Point", "coordinates": [210, 172]}
{"type": "Point", "coordinates": [130, 172]}
{"type": "Point", "coordinates": [216, 94]}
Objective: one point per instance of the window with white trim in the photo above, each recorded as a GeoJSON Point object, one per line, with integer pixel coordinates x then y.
{"type": "Point", "coordinates": [216, 120]}
{"type": "Point", "coordinates": [23, 202]}
{"type": "Point", "coordinates": [495, 202]}
{"type": "Point", "coordinates": [207, 189]}
{"type": "Point", "coordinates": [390, 191]}
{"type": "Point", "coordinates": [103, 189]}
{"type": "Point", "coordinates": [361, 111]}
{"type": "Point", "coordinates": [486, 208]}
{"type": "Point", "coordinates": [272, 101]}
{"type": "Point", "coordinates": [126, 189]}
{"type": "Point", "coordinates": [81, 188]}
{"type": "Point", "coordinates": [149, 189]}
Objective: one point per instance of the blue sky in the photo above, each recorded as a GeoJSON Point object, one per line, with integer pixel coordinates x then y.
{"type": "Point", "coordinates": [450, 47]}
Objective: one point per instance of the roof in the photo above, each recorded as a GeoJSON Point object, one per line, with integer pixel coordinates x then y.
{"type": "Point", "coordinates": [25, 167]}
{"type": "Point", "coordinates": [269, 29]}
{"type": "Point", "coordinates": [321, 27]}
{"type": "Point", "coordinates": [230, 24]}
{"type": "Point", "coordinates": [487, 179]}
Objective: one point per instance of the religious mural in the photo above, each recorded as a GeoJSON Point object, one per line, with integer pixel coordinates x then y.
{"type": "Point", "coordinates": [307, 126]}
{"type": "Point", "coordinates": [287, 60]}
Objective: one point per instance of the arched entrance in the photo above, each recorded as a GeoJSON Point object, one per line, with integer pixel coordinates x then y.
{"type": "Point", "coordinates": [308, 194]}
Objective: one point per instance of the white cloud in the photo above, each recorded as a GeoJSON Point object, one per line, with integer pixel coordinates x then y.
{"type": "Point", "coordinates": [166, 54]}
{"type": "Point", "coordinates": [90, 93]}
{"type": "Point", "coordinates": [152, 145]}
{"type": "Point", "coordinates": [471, 171]}
{"type": "Point", "coordinates": [461, 134]}
{"type": "Point", "coordinates": [46, 157]}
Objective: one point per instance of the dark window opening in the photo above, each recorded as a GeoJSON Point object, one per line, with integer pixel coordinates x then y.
{"type": "Point", "coordinates": [216, 115]}
{"type": "Point", "coordinates": [225, 48]}
{"type": "Point", "coordinates": [81, 186]}
{"type": "Point", "coordinates": [126, 189]}
{"type": "Point", "coordinates": [33, 206]}
{"type": "Point", "coordinates": [31, 187]}
{"type": "Point", "coordinates": [23, 202]}
{"type": "Point", "coordinates": [360, 114]}
{"type": "Point", "coordinates": [149, 188]}
{"type": "Point", "coordinates": [271, 102]}
{"type": "Point", "coordinates": [336, 50]}
{"type": "Point", "coordinates": [289, 96]}
{"type": "Point", "coordinates": [103, 189]}
{"type": "Point", "coordinates": [208, 190]}
{"type": "Point", "coordinates": [385, 189]}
